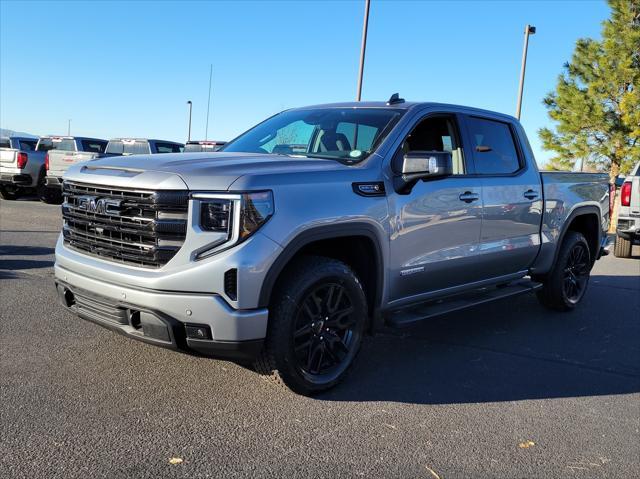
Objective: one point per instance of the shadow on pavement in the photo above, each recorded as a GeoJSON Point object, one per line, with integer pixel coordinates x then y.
{"type": "Point", "coordinates": [507, 351]}
{"type": "Point", "coordinates": [21, 264]}
{"type": "Point", "coordinates": [14, 250]}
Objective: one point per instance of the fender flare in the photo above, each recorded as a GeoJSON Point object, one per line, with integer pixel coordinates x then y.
{"type": "Point", "coordinates": [317, 234]}
{"type": "Point", "coordinates": [576, 212]}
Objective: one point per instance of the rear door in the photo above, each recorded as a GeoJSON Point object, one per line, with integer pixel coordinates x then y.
{"type": "Point", "coordinates": [511, 196]}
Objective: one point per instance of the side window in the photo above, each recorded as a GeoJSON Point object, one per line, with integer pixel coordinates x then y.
{"type": "Point", "coordinates": [167, 148]}
{"type": "Point", "coordinates": [494, 150]}
{"type": "Point", "coordinates": [94, 146]}
{"type": "Point", "coordinates": [437, 134]}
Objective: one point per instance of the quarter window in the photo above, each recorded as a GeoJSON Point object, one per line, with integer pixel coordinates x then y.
{"type": "Point", "coordinates": [494, 149]}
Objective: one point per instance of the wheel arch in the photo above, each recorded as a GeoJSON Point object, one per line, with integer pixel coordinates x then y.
{"type": "Point", "coordinates": [585, 220]}
{"type": "Point", "coordinates": [325, 240]}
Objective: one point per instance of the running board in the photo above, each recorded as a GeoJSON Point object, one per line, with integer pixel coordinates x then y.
{"type": "Point", "coordinates": [409, 316]}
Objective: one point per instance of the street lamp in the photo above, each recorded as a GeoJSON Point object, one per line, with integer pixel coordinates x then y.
{"type": "Point", "coordinates": [528, 30]}
{"type": "Point", "coordinates": [190, 108]}
{"type": "Point", "coordinates": [363, 47]}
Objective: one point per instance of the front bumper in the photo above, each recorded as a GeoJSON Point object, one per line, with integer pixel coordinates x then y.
{"type": "Point", "coordinates": [15, 179]}
{"type": "Point", "coordinates": [162, 317]}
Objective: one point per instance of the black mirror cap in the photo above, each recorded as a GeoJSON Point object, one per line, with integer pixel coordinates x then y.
{"type": "Point", "coordinates": [421, 165]}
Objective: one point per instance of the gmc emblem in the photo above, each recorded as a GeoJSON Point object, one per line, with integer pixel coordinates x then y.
{"type": "Point", "coordinates": [102, 206]}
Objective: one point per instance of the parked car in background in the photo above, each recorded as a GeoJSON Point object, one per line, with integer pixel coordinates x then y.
{"type": "Point", "coordinates": [62, 152]}
{"type": "Point", "coordinates": [21, 167]}
{"type": "Point", "coordinates": [142, 146]}
{"type": "Point", "coordinates": [205, 145]}
{"type": "Point", "coordinates": [628, 226]}
{"type": "Point", "coordinates": [378, 214]}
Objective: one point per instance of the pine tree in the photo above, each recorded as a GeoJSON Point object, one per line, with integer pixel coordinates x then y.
{"type": "Point", "coordinates": [596, 104]}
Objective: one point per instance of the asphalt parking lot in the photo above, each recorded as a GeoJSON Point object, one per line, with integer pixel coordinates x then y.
{"type": "Point", "coordinates": [505, 390]}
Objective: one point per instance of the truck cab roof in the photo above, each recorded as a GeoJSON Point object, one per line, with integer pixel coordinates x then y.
{"type": "Point", "coordinates": [411, 105]}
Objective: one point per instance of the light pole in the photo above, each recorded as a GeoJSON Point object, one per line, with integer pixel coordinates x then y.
{"type": "Point", "coordinates": [528, 30]}
{"type": "Point", "coordinates": [190, 108]}
{"type": "Point", "coordinates": [363, 47]}
{"type": "Point", "coordinates": [206, 130]}
{"type": "Point", "coordinates": [69, 127]}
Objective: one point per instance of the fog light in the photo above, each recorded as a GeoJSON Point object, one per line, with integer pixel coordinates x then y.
{"type": "Point", "coordinates": [198, 331]}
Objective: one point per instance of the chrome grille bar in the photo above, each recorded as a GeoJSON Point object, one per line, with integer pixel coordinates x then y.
{"type": "Point", "coordinates": [140, 227]}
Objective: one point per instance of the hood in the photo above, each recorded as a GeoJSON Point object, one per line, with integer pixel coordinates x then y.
{"type": "Point", "coordinates": [197, 171]}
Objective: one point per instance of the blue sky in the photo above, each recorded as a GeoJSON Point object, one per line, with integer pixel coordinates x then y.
{"type": "Point", "coordinates": [128, 68]}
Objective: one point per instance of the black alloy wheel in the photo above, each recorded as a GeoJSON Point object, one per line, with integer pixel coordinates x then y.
{"type": "Point", "coordinates": [576, 273]}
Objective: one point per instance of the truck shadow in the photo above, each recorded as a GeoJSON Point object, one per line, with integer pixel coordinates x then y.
{"type": "Point", "coordinates": [13, 250]}
{"type": "Point", "coordinates": [507, 351]}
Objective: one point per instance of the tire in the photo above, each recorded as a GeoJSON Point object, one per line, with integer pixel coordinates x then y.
{"type": "Point", "coordinates": [622, 248]}
{"type": "Point", "coordinates": [50, 196]}
{"type": "Point", "coordinates": [10, 195]}
{"type": "Point", "coordinates": [567, 282]}
{"type": "Point", "coordinates": [318, 320]}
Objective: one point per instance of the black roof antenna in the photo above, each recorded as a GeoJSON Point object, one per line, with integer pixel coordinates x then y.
{"type": "Point", "coordinates": [395, 98]}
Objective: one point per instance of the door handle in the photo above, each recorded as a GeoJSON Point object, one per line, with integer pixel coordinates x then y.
{"type": "Point", "coordinates": [530, 194]}
{"type": "Point", "coordinates": [468, 197]}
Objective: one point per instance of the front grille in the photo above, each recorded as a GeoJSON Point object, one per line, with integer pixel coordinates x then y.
{"type": "Point", "coordinates": [140, 227]}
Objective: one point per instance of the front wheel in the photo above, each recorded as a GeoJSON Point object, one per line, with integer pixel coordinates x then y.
{"type": "Point", "coordinates": [318, 319]}
{"type": "Point", "coordinates": [567, 283]}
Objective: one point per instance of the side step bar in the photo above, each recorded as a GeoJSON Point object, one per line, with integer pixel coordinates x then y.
{"type": "Point", "coordinates": [409, 316]}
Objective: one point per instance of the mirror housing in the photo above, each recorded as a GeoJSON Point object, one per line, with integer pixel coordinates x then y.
{"type": "Point", "coordinates": [420, 165]}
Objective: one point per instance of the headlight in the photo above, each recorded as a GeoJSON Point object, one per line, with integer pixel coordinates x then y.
{"type": "Point", "coordinates": [215, 215]}
{"type": "Point", "coordinates": [234, 217]}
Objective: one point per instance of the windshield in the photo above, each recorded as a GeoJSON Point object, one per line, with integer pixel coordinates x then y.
{"type": "Point", "coordinates": [345, 134]}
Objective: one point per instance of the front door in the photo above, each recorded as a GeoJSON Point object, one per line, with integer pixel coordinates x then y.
{"type": "Point", "coordinates": [436, 227]}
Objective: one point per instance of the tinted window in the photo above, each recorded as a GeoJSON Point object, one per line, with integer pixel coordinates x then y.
{"type": "Point", "coordinates": [128, 147]}
{"type": "Point", "coordinates": [28, 145]}
{"type": "Point", "coordinates": [4, 143]}
{"type": "Point", "coordinates": [65, 144]}
{"type": "Point", "coordinates": [495, 151]}
{"type": "Point", "coordinates": [94, 146]}
{"type": "Point", "coordinates": [437, 134]}
{"type": "Point", "coordinates": [168, 148]}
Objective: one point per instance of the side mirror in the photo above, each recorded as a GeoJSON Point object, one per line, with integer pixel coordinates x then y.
{"type": "Point", "coordinates": [420, 165]}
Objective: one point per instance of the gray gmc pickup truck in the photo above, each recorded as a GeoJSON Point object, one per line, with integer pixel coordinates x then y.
{"type": "Point", "coordinates": [321, 225]}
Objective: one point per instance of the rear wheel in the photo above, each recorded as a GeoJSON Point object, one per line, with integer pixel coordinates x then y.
{"type": "Point", "coordinates": [9, 193]}
{"type": "Point", "coordinates": [622, 248]}
{"type": "Point", "coordinates": [316, 327]}
{"type": "Point", "coordinates": [567, 283]}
